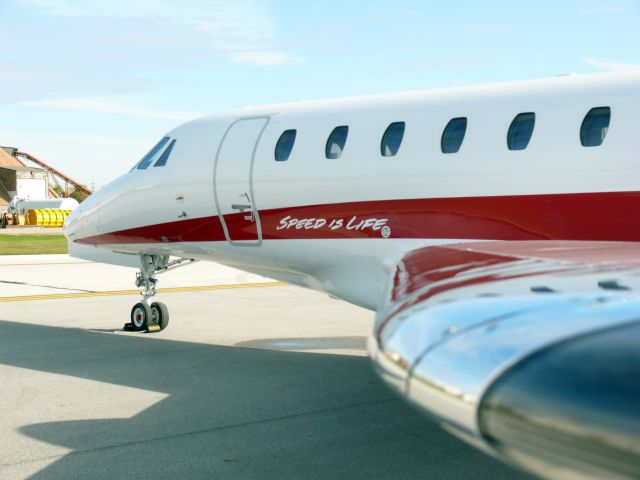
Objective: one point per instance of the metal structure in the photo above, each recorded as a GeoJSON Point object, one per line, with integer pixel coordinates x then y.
{"type": "Point", "coordinates": [56, 176]}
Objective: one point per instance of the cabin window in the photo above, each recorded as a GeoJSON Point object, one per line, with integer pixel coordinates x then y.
{"type": "Point", "coordinates": [336, 141]}
{"type": "Point", "coordinates": [153, 154]}
{"type": "Point", "coordinates": [595, 126]}
{"type": "Point", "coordinates": [453, 135]}
{"type": "Point", "coordinates": [521, 130]}
{"type": "Point", "coordinates": [392, 139]}
{"type": "Point", "coordinates": [285, 145]}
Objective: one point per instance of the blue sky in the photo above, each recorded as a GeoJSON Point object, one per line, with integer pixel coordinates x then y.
{"type": "Point", "coordinates": [90, 85]}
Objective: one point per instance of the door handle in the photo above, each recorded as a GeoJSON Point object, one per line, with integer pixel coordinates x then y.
{"type": "Point", "coordinates": [243, 207]}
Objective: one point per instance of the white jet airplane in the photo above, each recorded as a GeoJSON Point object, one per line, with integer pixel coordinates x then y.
{"type": "Point", "coordinates": [493, 229]}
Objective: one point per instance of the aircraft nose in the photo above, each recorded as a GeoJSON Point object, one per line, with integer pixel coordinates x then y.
{"type": "Point", "coordinates": [71, 224]}
{"type": "Point", "coordinates": [84, 220]}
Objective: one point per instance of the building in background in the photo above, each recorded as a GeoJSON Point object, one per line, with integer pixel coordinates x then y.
{"type": "Point", "coordinates": [33, 192]}
{"type": "Point", "coordinates": [26, 177]}
{"type": "Point", "coordinates": [27, 183]}
{"type": "Point", "coordinates": [18, 180]}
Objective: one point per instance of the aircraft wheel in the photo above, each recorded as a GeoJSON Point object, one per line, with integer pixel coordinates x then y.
{"type": "Point", "coordinates": [140, 315]}
{"type": "Point", "coordinates": [160, 314]}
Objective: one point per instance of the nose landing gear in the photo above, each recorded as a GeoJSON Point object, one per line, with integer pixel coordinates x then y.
{"type": "Point", "coordinates": [152, 318]}
{"type": "Point", "coordinates": [145, 316]}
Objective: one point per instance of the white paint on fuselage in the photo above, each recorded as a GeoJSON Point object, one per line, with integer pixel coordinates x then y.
{"type": "Point", "coordinates": [554, 162]}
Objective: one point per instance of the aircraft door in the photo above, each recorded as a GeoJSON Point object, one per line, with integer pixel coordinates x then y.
{"type": "Point", "coordinates": [233, 181]}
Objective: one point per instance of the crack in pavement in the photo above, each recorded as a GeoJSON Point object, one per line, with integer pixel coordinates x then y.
{"type": "Point", "coordinates": [41, 264]}
{"type": "Point", "coordinates": [204, 431]}
{"type": "Point", "coordinates": [47, 286]}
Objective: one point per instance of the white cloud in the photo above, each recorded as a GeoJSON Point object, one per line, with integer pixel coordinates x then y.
{"type": "Point", "coordinates": [186, 9]}
{"type": "Point", "coordinates": [598, 7]}
{"type": "Point", "coordinates": [242, 29]}
{"type": "Point", "coordinates": [85, 140]}
{"type": "Point", "coordinates": [53, 6]}
{"type": "Point", "coordinates": [105, 105]}
{"type": "Point", "coordinates": [83, 48]}
{"type": "Point", "coordinates": [609, 65]}
{"type": "Point", "coordinates": [261, 58]}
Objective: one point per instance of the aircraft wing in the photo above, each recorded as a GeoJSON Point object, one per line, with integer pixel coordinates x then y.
{"type": "Point", "coordinates": [529, 350]}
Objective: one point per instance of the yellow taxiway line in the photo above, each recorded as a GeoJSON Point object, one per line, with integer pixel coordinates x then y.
{"type": "Point", "coordinates": [55, 296]}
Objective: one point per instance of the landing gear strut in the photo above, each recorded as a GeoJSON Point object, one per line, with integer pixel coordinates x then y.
{"type": "Point", "coordinates": [146, 316]}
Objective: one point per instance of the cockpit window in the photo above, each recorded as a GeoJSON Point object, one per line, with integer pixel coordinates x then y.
{"type": "Point", "coordinates": [165, 155]}
{"type": "Point", "coordinates": [153, 154]}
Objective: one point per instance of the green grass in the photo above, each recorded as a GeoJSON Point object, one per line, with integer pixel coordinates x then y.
{"type": "Point", "coordinates": [32, 244]}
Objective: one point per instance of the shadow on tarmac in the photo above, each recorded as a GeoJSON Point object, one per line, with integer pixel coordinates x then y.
{"type": "Point", "coordinates": [236, 413]}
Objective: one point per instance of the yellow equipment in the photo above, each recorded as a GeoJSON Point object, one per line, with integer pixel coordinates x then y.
{"type": "Point", "coordinates": [47, 217]}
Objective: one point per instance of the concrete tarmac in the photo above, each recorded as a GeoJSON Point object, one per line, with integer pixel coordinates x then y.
{"type": "Point", "coordinates": [252, 379]}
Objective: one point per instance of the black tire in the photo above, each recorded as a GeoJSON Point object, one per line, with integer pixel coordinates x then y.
{"type": "Point", "coordinates": [160, 313]}
{"type": "Point", "coordinates": [140, 316]}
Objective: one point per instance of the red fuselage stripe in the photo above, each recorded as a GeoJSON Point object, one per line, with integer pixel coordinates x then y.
{"type": "Point", "coordinates": [580, 216]}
